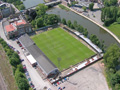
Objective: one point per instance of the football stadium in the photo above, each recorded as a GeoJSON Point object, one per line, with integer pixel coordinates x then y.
{"type": "Point", "coordinates": [61, 48]}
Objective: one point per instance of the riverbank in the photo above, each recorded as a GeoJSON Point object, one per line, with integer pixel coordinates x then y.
{"type": "Point", "coordinates": [113, 35]}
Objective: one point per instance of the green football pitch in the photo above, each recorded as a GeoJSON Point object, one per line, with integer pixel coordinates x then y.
{"type": "Point", "coordinates": [62, 48]}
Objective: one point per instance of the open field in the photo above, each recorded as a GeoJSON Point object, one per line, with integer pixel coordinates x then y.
{"type": "Point", "coordinates": [115, 28]}
{"type": "Point", "coordinates": [61, 48]}
{"type": "Point", "coordinates": [6, 71]}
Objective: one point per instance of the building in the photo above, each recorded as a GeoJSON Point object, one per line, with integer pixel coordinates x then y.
{"type": "Point", "coordinates": [17, 26]}
{"type": "Point", "coordinates": [47, 67]}
{"type": "Point", "coordinates": [5, 10]}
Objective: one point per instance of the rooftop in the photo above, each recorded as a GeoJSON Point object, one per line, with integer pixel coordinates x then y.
{"type": "Point", "coordinates": [39, 56]}
{"type": "Point", "coordinates": [10, 28]}
{"type": "Point", "coordinates": [20, 22]}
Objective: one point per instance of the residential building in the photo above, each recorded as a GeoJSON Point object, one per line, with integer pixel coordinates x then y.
{"type": "Point", "coordinates": [5, 10]}
{"type": "Point", "coordinates": [17, 26]}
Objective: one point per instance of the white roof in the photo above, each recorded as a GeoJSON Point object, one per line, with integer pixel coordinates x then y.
{"type": "Point", "coordinates": [77, 33]}
{"type": "Point", "coordinates": [91, 44]}
{"type": "Point", "coordinates": [31, 59]}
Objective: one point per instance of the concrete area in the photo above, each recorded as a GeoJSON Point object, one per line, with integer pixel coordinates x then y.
{"type": "Point", "coordinates": [90, 78]}
{"type": "Point", "coordinates": [96, 16]}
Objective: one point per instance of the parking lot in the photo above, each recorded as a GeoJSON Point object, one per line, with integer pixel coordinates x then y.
{"type": "Point", "coordinates": [90, 78]}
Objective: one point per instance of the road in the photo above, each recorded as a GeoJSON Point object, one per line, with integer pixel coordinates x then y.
{"type": "Point", "coordinates": [35, 77]}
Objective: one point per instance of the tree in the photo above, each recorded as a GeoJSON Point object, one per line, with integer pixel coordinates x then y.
{"type": "Point", "coordinates": [117, 86]}
{"type": "Point", "coordinates": [21, 7]}
{"type": "Point", "coordinates": [32, 14]}
{"type": "Point", "coordinates": [85, 32]}
{"type": "Point", "coordinates": [118, 20]}
{"type": "Point", "coordinates": [71, 26]}
{"type": "Point", "coordinates": [91, 6]}
{"type": "Point", "coordinates": [41, 9]}
{"type": "Point", "coordinates": [64, 21]}
{"type": "Point", "coordinates": [111, 57]}
{"type": "Point", "coordinates": [40, 22]}
{"type": "Point", "coordinates": [20, 68]}
{"type": "Point", "coordinates": [68, 23]}
{"type": "Point", "coordinates": [75, 24]}
{"type": "Point", "coordinates": [23, 84]}
{"type": "Point", "coordinates": [14, 61]}
{"type": "Point", "coordinates": [18, 75]}
{"type": "Point", "coordinates": [51, 19]}
{"type": "Point", "coordinates": [84, 8]}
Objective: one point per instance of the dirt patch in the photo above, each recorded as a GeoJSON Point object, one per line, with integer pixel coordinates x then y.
{"type": "Point", "coordinates": [6, 71]}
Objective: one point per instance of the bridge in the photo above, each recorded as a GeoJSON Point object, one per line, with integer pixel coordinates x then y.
{"type": "Point", "coordinates": [49, 4]}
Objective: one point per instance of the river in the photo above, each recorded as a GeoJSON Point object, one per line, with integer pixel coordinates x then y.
{"type": "Point", "coordinates": [91, 27]}
{"type": "Point", "coordinates": [31, 3]}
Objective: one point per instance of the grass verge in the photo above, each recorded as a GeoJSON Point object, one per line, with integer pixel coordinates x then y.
{"type": "Point", "coordinates": [115, 28]}
{"type": "Point", "coordinates": [63, 7]}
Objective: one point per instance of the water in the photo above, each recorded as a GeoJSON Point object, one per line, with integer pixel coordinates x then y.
{"type": "Point", "coordinates": [31, 3]}
{"type": "Point", "coordinates": [91, 27]}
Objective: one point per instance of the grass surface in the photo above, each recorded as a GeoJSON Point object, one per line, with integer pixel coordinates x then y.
{"type": "Point", "coordinates": [63, 7]}
{"type": "Point", "coordinates": [59, 44]}
{"type": "Point", "coordinates": [115, 28]}
{"type": "Point", "coordinates": [6, 71]}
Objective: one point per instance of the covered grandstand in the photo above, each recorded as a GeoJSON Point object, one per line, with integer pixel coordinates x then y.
{"type": "Point", "coordinates": [37, 55]}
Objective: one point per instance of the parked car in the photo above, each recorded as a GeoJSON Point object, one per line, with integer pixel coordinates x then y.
{"type": "Point", "coordinates": [27, 74]}
{"type": "Point", "coordinates": [17, 42]}
{"type": "Point", "coordinates": [31, 85]}
{"type": "Point", "coordinates": [21, 60]}
{"type": "Point", "coordinates": [18, 52]}
{"type": "Point", "coordinates": [24, 67]}
{"type": "Point", "coordinates": [20, 44]}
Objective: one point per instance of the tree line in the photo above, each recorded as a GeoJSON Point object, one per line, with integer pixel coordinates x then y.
{"type": "Point", "coordinates": [18, 3]}
{"type": "Point", "coordinates": [17, 67]}
{"type": "Point", "coordinates": [84, 31]}
{"type": "Point", "coordinates": [110, 13]}
{"type": "Point", "coordinates": [112, 63]}
{"type": "Point", "coordinates": [39, 17]}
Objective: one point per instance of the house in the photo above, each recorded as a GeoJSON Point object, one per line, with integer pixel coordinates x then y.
{"type": "Point", "coordinates": [17, 27]}
{"type": "Point", "coordinates": [5, 10]}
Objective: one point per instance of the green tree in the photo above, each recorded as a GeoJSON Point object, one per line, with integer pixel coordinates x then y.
{"type": "Point", "coordinates": [117, 87]}
{"type": "Point", "coordinates": [14, 61]}
{"type": "Point", "coordinates": [64, 21]}
{"type": "Point", "coordinates": [68, 23]}
{"type": "Point", "coordinates": [52, 19]}
{"type": "Point", "coordinates": [23, 84]}
{"type": "Point", "coordinates": [118, 20]}
{"type": "Point", "coordinates": [84, 8]}
{"type": "Point", "coordinates": [75, 24]}
{"type": "Point", "coordinates": [21, 7]}
{"type": "Point", "coordinates": [40, 22]}
{"type": "Point", "coordinates": [111, 56]}
{"type": "Point", "coordinates": [18, 75]}
{"type": "Point", "coordinates": [91, 6]}
{"type": "Point", "coordinates": [71, 26]}
{"type": "Point", "coordinates": [20, 68]}
{"type": "Point", "coordinates": [41, 9]}
{"type": "Point", "coordinates": [85, 32]}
